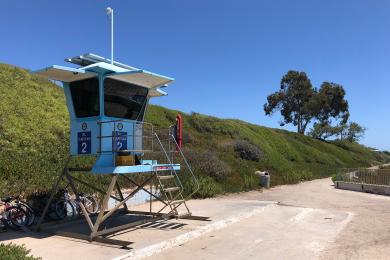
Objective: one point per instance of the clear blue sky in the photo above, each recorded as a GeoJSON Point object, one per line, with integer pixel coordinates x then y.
{"type": "Point", "coordinates": [226, 56]}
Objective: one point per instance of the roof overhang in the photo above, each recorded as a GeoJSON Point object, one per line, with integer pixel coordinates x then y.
{"type": "Point", "coordinates": [157, 92]}
{"type": "Point", "coordinates": [64, 74]}
{"type": "Point", "coordinates": [154, 82]}
{"type": "Point", "coordinates": [142, 78]}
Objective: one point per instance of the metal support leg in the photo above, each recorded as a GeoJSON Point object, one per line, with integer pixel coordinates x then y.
{"type": "Point", "coordinates": [53, 192]}
{"type": "Point", "coordinates": [126, 199]}
{"type": "Point", "coordinates": [94, 188]}
{"type": "Point", "coordinates": [118, 188]}
{"type": "Point", "coordinates": [104, 206]}
{"type": "Point", "coordinates": [154, 196]}
{"type": "Point", "coordinates": [78, 200]}
{"type": "Point", "coordinates": [150, 195]}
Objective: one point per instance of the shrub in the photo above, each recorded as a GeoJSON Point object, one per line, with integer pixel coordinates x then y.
{"type": "Point", "coordinates": [187, 138]}
{"type": "Point", "coordinates": [34, 144]}
{"type": "Point", "coordinates": [337, 177]}
{"type": "Point", "coordinates": [15, 252]}
{"type": "Point", "coordinates": [207, 163]}
{"type": "Point", "coordinates": [208, 187]}
{"type": "Point", "coordinates": [247, 151]}
{"type": "Point", "coordinates": [292, 177]}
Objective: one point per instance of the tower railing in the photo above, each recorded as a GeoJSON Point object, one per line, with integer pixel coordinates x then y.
{"type": "Point", "coordinates": [141, 135]}
{"type": "Point", "coordinates": [145, 139]}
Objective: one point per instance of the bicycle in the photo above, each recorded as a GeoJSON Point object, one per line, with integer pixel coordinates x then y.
{"type": "Point", "coordinates": [90, 203]}
{"type": "Point", "coordinates": [66, 207]}
{"type": "Point", "coordinates": [26, 207]}
{"type": "Point", "coordinates": [37, 203]}
{"type": "Point", "coordinates": [13, 216]}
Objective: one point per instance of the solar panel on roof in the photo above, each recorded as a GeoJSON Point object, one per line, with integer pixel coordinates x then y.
{"type": "Point", "coordinates": [90, 58]}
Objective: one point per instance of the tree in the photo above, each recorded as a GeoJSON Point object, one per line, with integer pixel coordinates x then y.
{"type": "Point", "coordinates": [326, 131]}
{"type": "Point", "coordinates": [351, 132]}
{"type": "Point", "coordinates": [293, 100]}
{"type": "Point", "coordinates": [299, 103]}
{"type": "Point", "coordinates": [331, 103]}
{"type": "Point", "coordinates": [355, 132]}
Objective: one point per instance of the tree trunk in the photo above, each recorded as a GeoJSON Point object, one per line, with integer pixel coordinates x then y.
{"type": "Point", "coordinates": [299, 124]}
{"type": "Point", "coordinates": [305, 126]}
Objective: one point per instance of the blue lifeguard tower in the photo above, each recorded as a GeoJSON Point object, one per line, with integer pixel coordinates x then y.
{"type": "Point", "coordinates": [107, 104]}
{"type": "Point", "coordinates": [107, 101]}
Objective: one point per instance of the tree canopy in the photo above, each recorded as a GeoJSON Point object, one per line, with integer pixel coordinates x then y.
{"type": "Point", "coordinates": [351, 132]}
{"type": "Point", "coordinates": [331, 102]}
{"type": "Point", "coordinates": [300, 103]}
{"type": "Point", "coordinates": [355, 132]}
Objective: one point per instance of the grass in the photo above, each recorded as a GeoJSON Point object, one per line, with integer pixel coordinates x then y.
{"type": "Point", "coordinates": [34, 131]}
{"type": "Point", "coordinates": [289, 157]}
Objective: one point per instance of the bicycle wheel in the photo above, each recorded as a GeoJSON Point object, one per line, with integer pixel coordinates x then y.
{"type": "Point", "coordinates": [90, 204]}
{"type": "Point", "coordinates": [17, 217]}
{"type": "Point", "coordinates": [64, 209]}
{"type": "Point", "coordinates": [29, 210]}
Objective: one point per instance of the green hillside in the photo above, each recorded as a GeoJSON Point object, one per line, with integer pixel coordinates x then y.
{"type": "Point", "coordinates": [224, 153]}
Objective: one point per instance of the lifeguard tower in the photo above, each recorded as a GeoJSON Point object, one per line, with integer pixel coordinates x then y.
{"type": "Point", "coordinates": [107, 101]}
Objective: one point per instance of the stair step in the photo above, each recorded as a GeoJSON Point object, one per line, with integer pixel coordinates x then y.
{"type": "Point", "coordinates": [171, 189]}
{"type": "Point", "coordinates": [166, 177]}
{"type": "Point", "coordinates": [174, 202]}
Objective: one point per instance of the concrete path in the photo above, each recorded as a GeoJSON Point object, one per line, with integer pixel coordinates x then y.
{"type": "Point", "coordinates": [280, 232]}
{"type": "Point", "coordinates": [310, 220]}
{"type": "Point", "coordinates": [376, 167]}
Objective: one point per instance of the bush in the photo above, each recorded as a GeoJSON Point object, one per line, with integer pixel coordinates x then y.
{"type": "Point", "coordinates": [247, 151]}
{"type": "Point", "coordinates": [34, 144]}
{"type": "Point", "coordinates": [207, 163]}
{"type": "Point", "coordinates": [15, 252]}
{"type": "Point", "coordinates": [208, 187]}
{"type": "Point", "coordinates": [292, 177]}
{"type": "Point", "coordinates": [187, 138]}
{"type": "Point", "coordinates": [337, 177]}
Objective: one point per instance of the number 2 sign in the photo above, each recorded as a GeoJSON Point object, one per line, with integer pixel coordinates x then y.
{"type": "Point", "coordinates": [119, 140]}
{"type": "Point", "coordinates": [84, 142]}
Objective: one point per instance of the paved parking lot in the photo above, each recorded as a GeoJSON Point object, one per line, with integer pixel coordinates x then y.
{"type": "Point", "coordinates": [311, 220]}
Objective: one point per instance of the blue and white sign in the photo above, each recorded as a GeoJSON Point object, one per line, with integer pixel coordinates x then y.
{"type": "Point", "coordinates": [119, 140]}
{"type": "Point", "coordinates": [84, 142]}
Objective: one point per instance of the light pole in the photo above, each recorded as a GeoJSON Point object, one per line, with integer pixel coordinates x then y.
{"type": "Point", "coordinates": [110, 12]}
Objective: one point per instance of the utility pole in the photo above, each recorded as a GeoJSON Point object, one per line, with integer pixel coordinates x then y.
{"type": "Point", "coordinates": [110, 12]}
